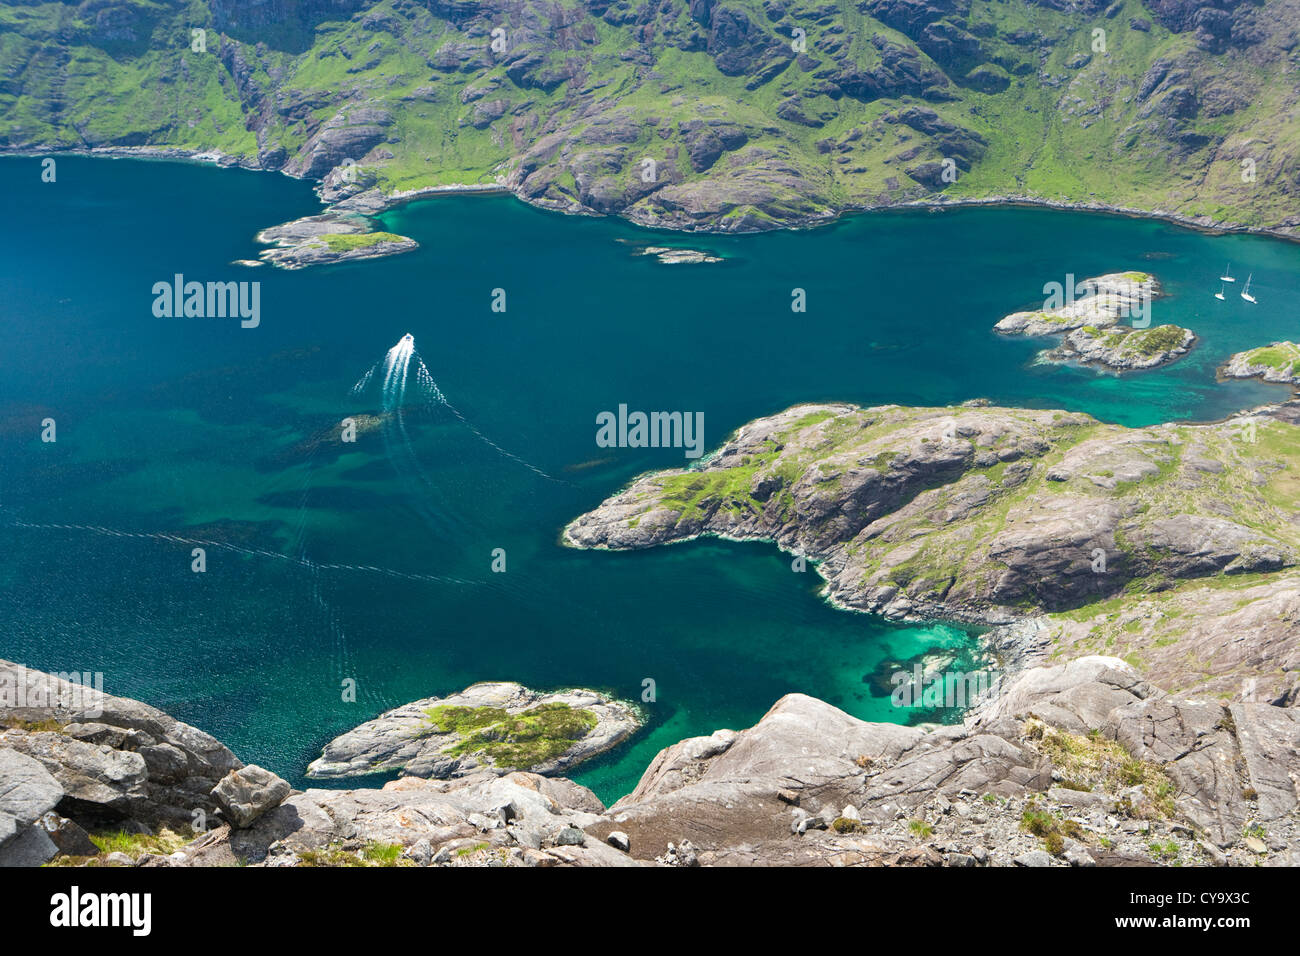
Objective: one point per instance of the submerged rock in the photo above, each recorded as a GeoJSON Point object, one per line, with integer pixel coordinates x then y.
{"type": "Point", "coordinates": [503, 726]}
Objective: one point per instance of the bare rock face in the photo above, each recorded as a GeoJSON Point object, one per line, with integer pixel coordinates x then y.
{"type": "Point", "coordinates": [482, 819]}
{"type": "Point", "coordinates": [27, 793]}
{"type": "Point", "coordinates": [113, 758]}
{"type": "Point", "coordinates": [809, 784]}
{"type": "Point", "coordinates": [489, 725]}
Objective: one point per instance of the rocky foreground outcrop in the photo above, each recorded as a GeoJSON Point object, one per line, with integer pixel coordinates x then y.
{"type": "Point", "coordinates": [999, 515]}
{"type": "Point", "coordinates": [499, 725]}
{"type": "Point", "coordinates": [74, 759]}
{"type": "Point", "coordinates": [1079, 764]}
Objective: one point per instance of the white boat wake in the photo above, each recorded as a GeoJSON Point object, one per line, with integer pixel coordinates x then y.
{"type": "Point", "coordinates": [395, 372]}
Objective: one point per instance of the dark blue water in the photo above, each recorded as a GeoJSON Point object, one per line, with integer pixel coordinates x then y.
{"type": "Point", "coordinates": [198, 429]}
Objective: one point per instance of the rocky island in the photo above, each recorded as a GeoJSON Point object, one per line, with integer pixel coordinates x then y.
{"type": "Point", "coordinates": [490, 725]}
{"type": "Point", "coordinates": [1099, 302]}
{"type": "Point", "coordinates": [1123, 348]}
{"type": "Point", "coordinates": [1091, 329]}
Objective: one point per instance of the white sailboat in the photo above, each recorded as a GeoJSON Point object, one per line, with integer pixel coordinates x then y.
{"type": "Point", "coordinates": [1219, 294]}
{"type": "Point", "coordinates": [1227, 276]}
{"type": "Point", "coordinates": [1245, 293]}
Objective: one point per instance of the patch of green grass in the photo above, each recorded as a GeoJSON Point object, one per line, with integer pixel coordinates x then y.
{"type": "Point", "coordinates": [1102, 764]}
{"type": "Point", "coordinates": [373, 854]}
{"type": "Point", "coordinates": [1148, 342]}
{"type": "Point", "coordinates": [31, 726]}
{"type": "Point", "coordinates": [846, 825]}
{"type": "Point", "coordinates": [348, 242]}
{"type": "Point", "coordinates": [696, 492]}
{"type": "Point", "coordinates": [1281, 356]}
{"type": "Point", "coordinates": [134, 844]}
{"type": "Point", "coordinates": [1051, 828]}
{"type": "Point", "coordinates": [515, 741]}
{"type": "Point", "coordinates": [1163, 852]}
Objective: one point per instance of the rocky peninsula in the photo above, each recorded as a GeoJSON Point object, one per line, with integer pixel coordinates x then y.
{"type": "Point", "coordinates": [328, 238]}
{"type": "Point", "coordinates": [503, 726]}
{"type": "Point", "coordinates": [1173, 546]}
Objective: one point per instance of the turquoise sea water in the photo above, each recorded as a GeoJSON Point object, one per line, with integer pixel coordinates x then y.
{"type": "Point", "coordinates": [198, 429]}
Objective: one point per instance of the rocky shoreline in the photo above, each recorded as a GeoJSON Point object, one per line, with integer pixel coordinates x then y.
{"type": "Point", "coordinates": [1123, 349]}
{"type": "Point", "coordinates": [374, 203]}
{"type": "Point", "coordinates": [1080, 764]}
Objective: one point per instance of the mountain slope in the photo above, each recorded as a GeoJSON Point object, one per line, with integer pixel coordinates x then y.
{"type": "Point", "coordinates": [709, 115]}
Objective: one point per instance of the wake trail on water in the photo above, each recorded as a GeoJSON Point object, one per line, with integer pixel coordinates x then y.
{"type": "Point", "coordinates": [396, 370]}
{"type": "Point", "coordinates": [238, 549]}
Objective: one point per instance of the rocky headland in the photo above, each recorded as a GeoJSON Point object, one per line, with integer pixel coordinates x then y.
{"type": "Point", "coordinates": [502, 725]}
{"type": "Point", "coordinates": [1173, 546]}
{"type": "Point", "coordinates": [1278, 362]}
{"type": "Point", "coordinates": [1079, 764]}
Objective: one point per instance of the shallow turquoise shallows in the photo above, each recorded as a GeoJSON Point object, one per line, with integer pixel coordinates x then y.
{"type": "Point", "coordinates": [373, 561]}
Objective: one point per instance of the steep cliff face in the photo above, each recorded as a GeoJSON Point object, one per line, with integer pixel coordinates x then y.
{"type": "Point", "coordinates": [718, 114]}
